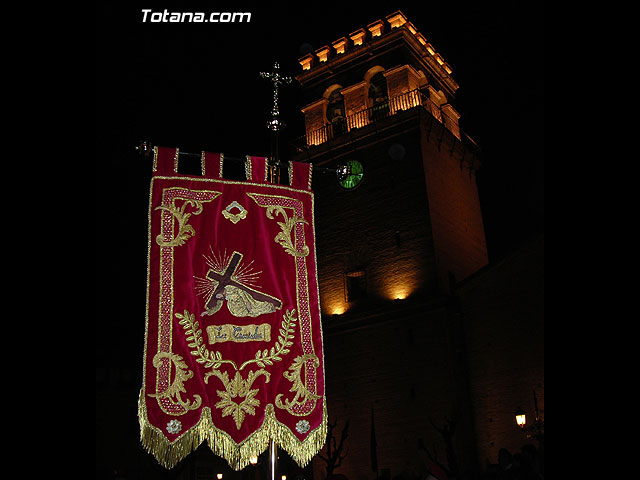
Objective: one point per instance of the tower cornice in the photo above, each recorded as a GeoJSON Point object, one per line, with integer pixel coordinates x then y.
{"type": "Point", "coordinates": [363, 45]}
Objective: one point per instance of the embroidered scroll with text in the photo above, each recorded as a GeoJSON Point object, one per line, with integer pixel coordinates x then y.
{"type": "Point", "coordinates": [233, 342]}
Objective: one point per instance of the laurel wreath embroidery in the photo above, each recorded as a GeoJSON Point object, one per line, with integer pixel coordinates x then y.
{"type": "Point", "coordinates": [213, 359]}
{"type": "Point", "coordinates": [193, 332]}
{"type": "Point", "coordinates": [285, 340]}
{"type": "Point", "coordinates": [238, 386]}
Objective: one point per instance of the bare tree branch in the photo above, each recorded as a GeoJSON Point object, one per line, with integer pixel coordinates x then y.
{"type": "Point", "coordinates": [335, 453]}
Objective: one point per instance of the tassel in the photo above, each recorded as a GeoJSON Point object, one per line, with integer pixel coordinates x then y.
{"type": "Point", "coordinates": [168, 454]}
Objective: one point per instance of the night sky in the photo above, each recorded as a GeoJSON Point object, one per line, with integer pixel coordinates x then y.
{"type": "Point", "coordinates": [198, 87]}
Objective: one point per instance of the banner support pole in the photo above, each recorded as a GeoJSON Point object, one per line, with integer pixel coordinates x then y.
{"type": "Point", "coordinates": [275, 125]}
{"type": "Point", "coordinates": [273, 453]}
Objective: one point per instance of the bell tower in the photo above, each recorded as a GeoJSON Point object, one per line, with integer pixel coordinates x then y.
{"type": "Point", "coordinates": [397, 231]}
{"type": "Point", "coordinates": [382, 99]}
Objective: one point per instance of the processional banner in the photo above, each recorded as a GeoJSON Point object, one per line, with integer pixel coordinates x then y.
{"type": "Point", "coordinates": [233, 348]}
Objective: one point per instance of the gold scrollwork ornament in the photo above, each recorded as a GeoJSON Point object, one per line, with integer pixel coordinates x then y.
{"type": "Point", "coordinates": [302, 393]}
{"type": "Point", "coordinates": [284, 238]}
{"type": "Point", "coordinates": [234, 217]}
{"type": "Point", "coordinates": [177, 387]}
{"type": "Point", "coordinates": [185, 231]}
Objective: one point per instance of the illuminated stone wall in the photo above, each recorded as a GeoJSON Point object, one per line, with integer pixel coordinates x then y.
{"type": "Point", "coordinates": [381, 227]}
{"type": "Point", "coordinates": [399, 349]}
{"type": "Point", "coordinates": [454, 205]}
{"type": "Point", "coordinates": [416, 346]}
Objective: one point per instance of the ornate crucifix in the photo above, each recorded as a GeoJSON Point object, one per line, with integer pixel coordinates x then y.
{"type": "Point", "coordinates": [275, 124]}
{"type": "Point", "coordinates": [277, 79]}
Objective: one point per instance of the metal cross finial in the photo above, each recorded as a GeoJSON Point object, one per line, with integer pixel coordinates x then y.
{"type": "Point", "coordinates": [275, 123]}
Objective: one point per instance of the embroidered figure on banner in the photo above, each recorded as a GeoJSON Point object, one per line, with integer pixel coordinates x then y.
{"type": "Point", "coordinates": [228, 280]}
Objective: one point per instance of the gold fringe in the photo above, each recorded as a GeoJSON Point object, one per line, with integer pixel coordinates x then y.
{"type": "Point", "coordinates": [168, 454]}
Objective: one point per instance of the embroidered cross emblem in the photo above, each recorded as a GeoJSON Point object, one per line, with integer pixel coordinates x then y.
{"type": "Point", "coordinates": [246, 300]}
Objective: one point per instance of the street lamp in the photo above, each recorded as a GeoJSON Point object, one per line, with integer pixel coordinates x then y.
{"type": "Point", "coordinates": [536, 429]}
{"type": "Point", "coordinates": [521, 418]}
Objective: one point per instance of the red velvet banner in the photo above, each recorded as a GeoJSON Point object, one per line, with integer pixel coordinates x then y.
{"type": "Point", "coordinates": [233, 343]}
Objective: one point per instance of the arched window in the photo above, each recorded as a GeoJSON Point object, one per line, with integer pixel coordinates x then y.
{"type": "Point", "coordinates": [335, 107]}
{"type": "Point", "coordinates": [336, 112]}
{"type": "Point", "coordinates": [378, 96]}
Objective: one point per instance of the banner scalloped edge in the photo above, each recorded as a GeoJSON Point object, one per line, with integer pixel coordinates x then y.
{"type": "Point", "coordinates": [168, 454]}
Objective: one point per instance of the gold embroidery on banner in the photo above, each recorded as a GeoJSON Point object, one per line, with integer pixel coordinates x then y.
{"type": "Point", "coordinates": [247, 167]}
{"type": "Point", "coordinates": [164, 364]}
{"type": "Point", "coordinates": [185, 231]}
{"type": "Point", "coordinates": [284, 237]}
{"type": "Point", "coordinates": [228, 280]}
{"type": "Point", "coordinates": [234, 217]}
{"type": "Point", "coordinates": [239, 387]}
{"type": "Point", "coordinates": [239, 333]}
{"type": "Point", "coordinates": [213, 359]}
{"type": "Point", "coordinates": [155, 159]}
{"type": "Point", "coordinates": [182, 375]}
{"type": "Point", "coordinates": [297, 406]}
{"type": "Point", "coordinates": [302, 393]}
{"type": "Point", "coordinates": [310, 166]}
{"type": "Point", "coordinates": [193, 334]}
{"type": "Point", "coordinates": [242, 304]}
{"type": "Point", "coordinates": [168, 452]}
{"type": "Point", "coordinates": [285, 340]}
